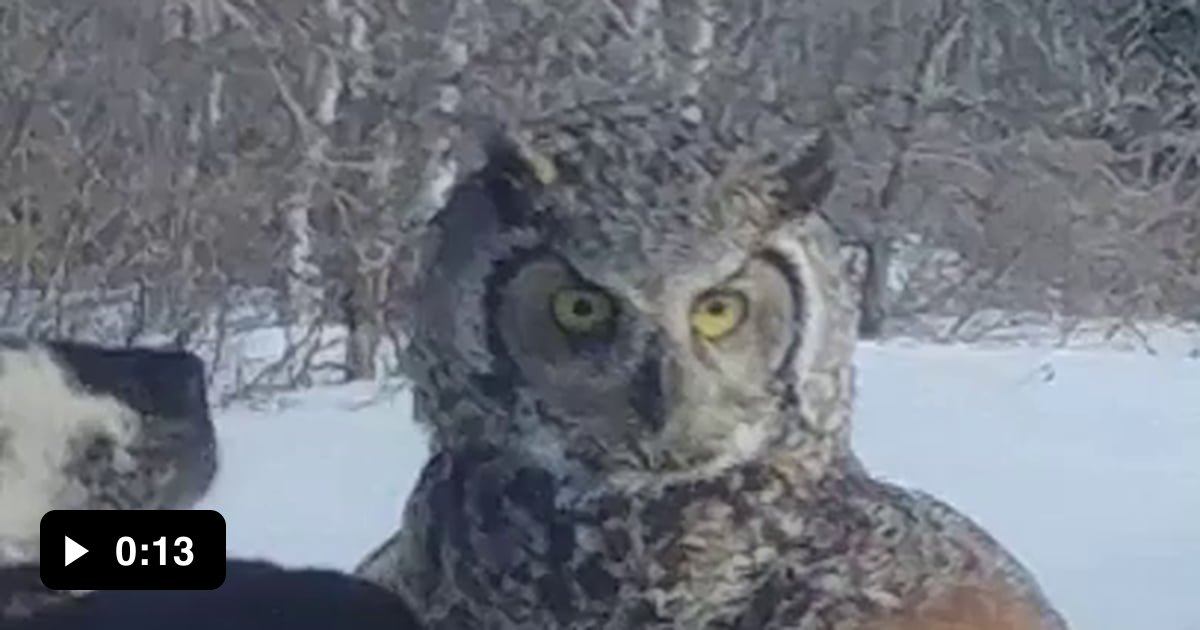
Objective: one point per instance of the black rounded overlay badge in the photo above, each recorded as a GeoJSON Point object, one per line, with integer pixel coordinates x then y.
{"type": "Point", "coordinates": [133, 549]}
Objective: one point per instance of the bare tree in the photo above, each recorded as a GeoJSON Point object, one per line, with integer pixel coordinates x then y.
{"type": "Point", "coordinates": [165, 165]}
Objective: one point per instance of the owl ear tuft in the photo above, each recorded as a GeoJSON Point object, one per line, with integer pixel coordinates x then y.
{"type": "Point", "coordinates": [512, 170]}
{"type": "Point", "coordinates": [516, 158]}
{"type": "Point", "coordinates": [540, 166]}
{"type": "Point", "coordinates": [498, 189]}
{"type": "Point", "coordinates": [806, 176]}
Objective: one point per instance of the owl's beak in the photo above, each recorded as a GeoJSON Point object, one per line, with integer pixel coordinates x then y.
{"type": "Point", "coordinates": [646, 396]}
{"type": "Point", "coordinates": [688, 412]}
{"type": "Point", "coordinates": [651, 391]}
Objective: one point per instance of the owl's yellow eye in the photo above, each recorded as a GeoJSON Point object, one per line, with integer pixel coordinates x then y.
{"type": "Point", "coordinates": [718, 314]}
{"type": "Point", "coordinates": [581, 311]}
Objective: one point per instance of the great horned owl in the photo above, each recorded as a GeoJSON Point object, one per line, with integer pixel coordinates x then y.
{"type": "Point", "coordinates": [633, 347]}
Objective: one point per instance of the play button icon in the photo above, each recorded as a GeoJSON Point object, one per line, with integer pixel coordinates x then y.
{"type": "Point", "coordinates": [72, 551]}
{"type": "Point", "coordinates": [105, 550]}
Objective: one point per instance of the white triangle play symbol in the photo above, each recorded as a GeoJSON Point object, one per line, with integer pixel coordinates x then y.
{"type": "Point", "coordinates": [73, 551]}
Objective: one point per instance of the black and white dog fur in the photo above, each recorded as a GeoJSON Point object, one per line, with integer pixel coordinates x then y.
{"type": "Point", "coordinates": [84, 426]}
{"type": "Point", "coordinates": [257, 595]}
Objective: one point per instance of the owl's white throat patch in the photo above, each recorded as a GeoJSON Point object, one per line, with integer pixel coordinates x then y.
{"type": "Point", "coordinates": [749, 441]}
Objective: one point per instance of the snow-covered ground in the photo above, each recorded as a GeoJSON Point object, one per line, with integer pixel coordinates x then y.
{"type": "Point", "coordinates": [1085, 463]}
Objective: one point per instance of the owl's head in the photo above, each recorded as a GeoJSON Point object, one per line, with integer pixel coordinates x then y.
{"type": "Point", "coordinates": [632, 293]}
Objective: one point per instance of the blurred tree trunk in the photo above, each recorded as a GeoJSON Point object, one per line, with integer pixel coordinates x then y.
{"type": "Point", "coordinates": [303, 275]}
{"type": "Point", "coordinates": [874, 288]}
{"type": "Point", "coordinates": [393, 201]}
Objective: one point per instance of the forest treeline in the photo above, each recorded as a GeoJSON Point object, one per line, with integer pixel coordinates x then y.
{"type": "Point", "coordinates": [167, 158]}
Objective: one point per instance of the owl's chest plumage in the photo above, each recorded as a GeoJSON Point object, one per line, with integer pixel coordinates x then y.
{"type": "Point", "coordinates": [496, 546]}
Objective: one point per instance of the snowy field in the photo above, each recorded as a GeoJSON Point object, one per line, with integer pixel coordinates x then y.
{"type": "Point", "coordinates": [1085, 463]}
